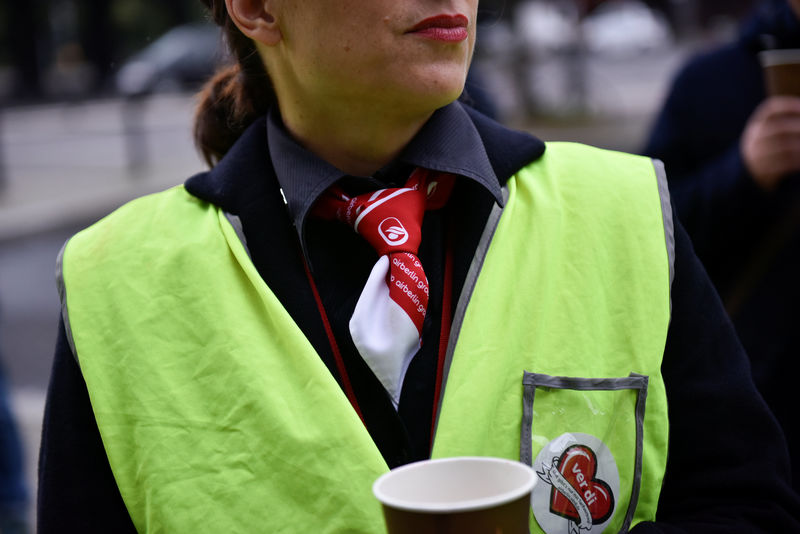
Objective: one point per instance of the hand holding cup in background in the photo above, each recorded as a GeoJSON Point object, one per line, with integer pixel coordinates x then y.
{"type": "Point", "coordinates": [770, 143]}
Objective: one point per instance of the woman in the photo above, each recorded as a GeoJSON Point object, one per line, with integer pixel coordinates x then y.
{"type": "Point", "coordinates": [234, 358]}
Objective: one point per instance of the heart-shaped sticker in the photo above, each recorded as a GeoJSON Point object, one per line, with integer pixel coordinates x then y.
{"type": "Point", "coordinates": [578, 465]}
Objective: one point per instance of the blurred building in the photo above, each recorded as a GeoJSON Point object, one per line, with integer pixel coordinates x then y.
{"type": "Point", "coordinates": [59, 49]}
{"type": "Point", "coordinates": [56, 49]}
{"type": "Point", "coordinates": [553, 56]}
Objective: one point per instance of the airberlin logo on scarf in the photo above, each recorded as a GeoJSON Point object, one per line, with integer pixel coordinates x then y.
{"type": "Point", "coordinates": [392, 231]}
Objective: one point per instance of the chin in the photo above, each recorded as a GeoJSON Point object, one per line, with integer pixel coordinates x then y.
{"type": "Point", "coordinates": [439, 92]}
{"type": "Point", "coordinates": [449, 97]}
{"type": "Point", "coordinates": [423, 103]}
{"type": "Point", "coordinates": [421, 91]}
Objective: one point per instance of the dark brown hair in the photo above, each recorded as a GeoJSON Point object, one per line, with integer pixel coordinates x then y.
{"type": "Point", "coordinates": [235, 96]}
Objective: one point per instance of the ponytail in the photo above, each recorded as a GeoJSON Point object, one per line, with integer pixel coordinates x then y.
{"type": "Point", "coordinates": [235, 96]}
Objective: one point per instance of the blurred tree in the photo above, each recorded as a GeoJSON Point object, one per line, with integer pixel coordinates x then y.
{"type": "Point", "coordinates": [104, 32]}
{"type": "Point", "coordinates": [26, 34]}
{"type": "Point", "coordinates": [97, 38]}
{"type": "Point", "coordinates": [109, 31]}
{"type": "Point", "coordinates": [138, 22]}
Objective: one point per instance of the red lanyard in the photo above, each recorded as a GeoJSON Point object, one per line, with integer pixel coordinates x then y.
{"type": "Point", "coordinates": [447, 298]}
{"type": "Point", "coordinates": [337, 355]}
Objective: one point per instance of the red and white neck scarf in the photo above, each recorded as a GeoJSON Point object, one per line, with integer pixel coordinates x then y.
{"type": "Point", "coordinates": [386, 325]}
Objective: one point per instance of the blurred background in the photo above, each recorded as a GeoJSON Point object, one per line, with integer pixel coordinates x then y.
{"type": "Point", "coordinates": [96, 104]}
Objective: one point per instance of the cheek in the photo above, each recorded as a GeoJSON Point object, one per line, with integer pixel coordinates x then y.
{"type": "Point", "coordinates": [350, 36]}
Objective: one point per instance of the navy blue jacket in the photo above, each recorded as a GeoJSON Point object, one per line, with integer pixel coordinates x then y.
{"type": "Point", "coordinates": [745, 237]}
{"type": "Point", "coordinates": [727, 460]}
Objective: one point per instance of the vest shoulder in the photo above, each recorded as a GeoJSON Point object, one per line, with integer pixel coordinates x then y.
{"type": "Point", "coordinates": [575, 160]}
{"type": "Point", "coordinates": [567, 150]}
{"type": "Point", "coordinates": [148, 216]}
{"type": "Point", "coordinates": [142, 210]}
{"type": "Point", "coordinates": [573, 174]}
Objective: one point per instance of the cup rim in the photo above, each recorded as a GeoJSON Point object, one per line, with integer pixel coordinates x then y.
{"type": "Point", "coordinates": [450, 507]}
{"type": "Point", "coordinates": [779, 56]}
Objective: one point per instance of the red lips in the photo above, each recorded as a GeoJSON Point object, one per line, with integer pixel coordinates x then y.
{"type": "Point", "coordinates": [449, 28]}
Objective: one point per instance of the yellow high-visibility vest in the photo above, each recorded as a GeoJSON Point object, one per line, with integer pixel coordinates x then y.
{"type": "Point", "coordinates": [217, 415]}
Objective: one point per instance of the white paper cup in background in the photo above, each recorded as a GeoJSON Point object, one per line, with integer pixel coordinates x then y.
{"type": "Point", "coordinates": [464, 495]}
{"type": "Point", "coordinates": [781, 71]}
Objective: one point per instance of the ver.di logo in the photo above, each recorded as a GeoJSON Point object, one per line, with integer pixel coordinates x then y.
{"type": "Point", "coordinates": [580, 485]}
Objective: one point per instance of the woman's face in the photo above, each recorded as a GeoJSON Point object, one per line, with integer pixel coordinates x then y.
{"type": "Point", "coordinates": [391, 52]}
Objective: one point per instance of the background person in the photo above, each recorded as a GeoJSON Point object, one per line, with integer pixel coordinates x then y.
{"type": "Point", "coordinates": [733, 158]}
{"type": "Point", "coordinates": [13, 489]}
{"type": "Point", "coordinates": [212, 371]}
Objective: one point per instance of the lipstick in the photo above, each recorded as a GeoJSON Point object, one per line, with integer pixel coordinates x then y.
{"type": "Point", "coordinates": [447, 28]}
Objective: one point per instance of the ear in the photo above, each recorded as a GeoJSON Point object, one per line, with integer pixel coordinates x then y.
{"type": "Point", "coordinates": [255, 19]}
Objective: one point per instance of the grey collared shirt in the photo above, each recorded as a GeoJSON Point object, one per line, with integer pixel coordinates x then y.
{"type": "Point", "coordinates": [448, 142]}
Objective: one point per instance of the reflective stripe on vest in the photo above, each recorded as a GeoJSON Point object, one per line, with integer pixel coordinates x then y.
{"type": "Point", "coordinates": [225, 418]}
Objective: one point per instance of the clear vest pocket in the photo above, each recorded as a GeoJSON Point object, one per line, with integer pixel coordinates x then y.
{"type": "Point", "coordinates": [583, 437]}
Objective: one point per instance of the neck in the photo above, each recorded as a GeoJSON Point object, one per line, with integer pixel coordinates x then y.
{"type": "Point", "coordinates": [356, 141]}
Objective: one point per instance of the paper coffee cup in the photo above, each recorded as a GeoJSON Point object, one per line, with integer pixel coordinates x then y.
{"type": "Point", "coordinates": [781, 71]}
{"type": "Point", "coordinates": [464, 495]}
